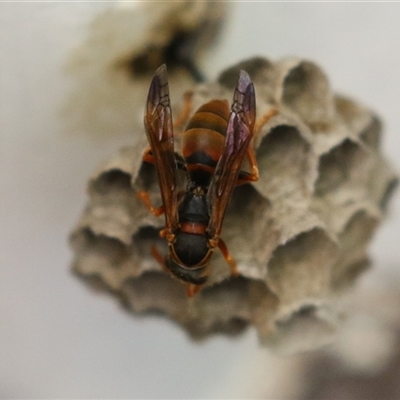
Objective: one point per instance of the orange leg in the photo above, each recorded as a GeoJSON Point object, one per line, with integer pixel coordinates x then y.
{"type": "Point", "coordinates": [192, 289]}
{"type": "Point", "coordinates": [144, 196]}
{"type": "Point", "coordinates": [254, 175]}
{"type": "Point", "coordinates": [246, 177]}
{"type": "Point", "coordinates": [264, 119]}
{"type": "Point", "coordinates": [147, 156]}
{"type": "Point", "coordinates": [159, 258]}
{"type": "Point", "coordinates": [228, 258]}
{"type": "Point", "coordinates": [167, 234]}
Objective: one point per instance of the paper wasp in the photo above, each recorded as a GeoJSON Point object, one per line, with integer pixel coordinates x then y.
{"type": "Point", "coordinates": [214, 145]}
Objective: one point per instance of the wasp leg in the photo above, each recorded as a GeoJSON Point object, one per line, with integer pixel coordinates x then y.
{"type": "Point", "coordinates": [264, 119]}
{"type": "Point", "coordinates": [156, 211]}
{"type": "Point", "coordinates": [246, 177]}
{"type": "Point", "coordinates": [192, 289]}
{"type": "Point", "coordinates": [228, 258]}
{"type": "Point", "coordinates": [167, 234]}
{"type": "Point", "coordinates": [147, 156]}
{"type": "Point", "coordinates": [159, 258]}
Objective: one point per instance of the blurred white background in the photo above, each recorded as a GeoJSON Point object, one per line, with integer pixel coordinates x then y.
{"type": "Point", "coordinates": [58, 339]}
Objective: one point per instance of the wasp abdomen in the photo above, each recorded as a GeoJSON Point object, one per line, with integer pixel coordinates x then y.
{"type": "Point", "coordinates": [204, 137]}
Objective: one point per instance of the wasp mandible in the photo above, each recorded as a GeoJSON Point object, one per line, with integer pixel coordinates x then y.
{"type": "Point", "coordinates": [214, 145]}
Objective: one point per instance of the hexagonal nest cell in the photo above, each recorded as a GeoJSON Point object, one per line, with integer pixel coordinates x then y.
{"type": "Point", "coordinates": [299, 234]}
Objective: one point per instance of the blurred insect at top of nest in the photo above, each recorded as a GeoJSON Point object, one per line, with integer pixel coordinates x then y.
{"type": "Point", "coordinates": [214, 145]}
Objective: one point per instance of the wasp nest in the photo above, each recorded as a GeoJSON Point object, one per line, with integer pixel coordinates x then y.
{"type": "Point", "coordinates": [299, 234]}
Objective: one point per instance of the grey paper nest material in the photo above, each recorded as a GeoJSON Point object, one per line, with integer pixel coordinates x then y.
{"type": "Point", "coordinates": [299, 234]}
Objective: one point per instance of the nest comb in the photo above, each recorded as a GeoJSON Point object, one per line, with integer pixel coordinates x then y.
{"type": "Point", "coordinates": [299, 234]}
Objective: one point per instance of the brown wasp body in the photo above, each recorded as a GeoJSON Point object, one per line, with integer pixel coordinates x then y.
{"type": "Point", "coordinates": [214, 145]}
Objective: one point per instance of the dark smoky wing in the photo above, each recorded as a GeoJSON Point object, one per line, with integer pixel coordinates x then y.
{"type": "Point", "coordinates": [238, 137]}
{"type": "Point", "coordinates": [159, 130]}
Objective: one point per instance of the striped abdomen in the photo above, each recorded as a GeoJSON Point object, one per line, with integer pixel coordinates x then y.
{"type": "Point", "coordinates": [203, 140]}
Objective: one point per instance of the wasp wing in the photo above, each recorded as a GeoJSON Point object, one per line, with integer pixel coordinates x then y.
{"type": "Point", "coordinates": [159, 130]}
{"type": "Point", "coordinates": [238, 137]}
